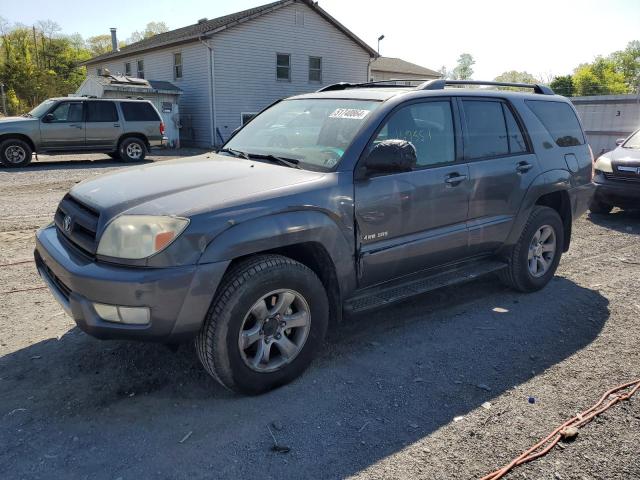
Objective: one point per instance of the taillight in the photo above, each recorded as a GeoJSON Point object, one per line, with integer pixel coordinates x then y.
{"type": "Point", "coordinates": [161, 128]}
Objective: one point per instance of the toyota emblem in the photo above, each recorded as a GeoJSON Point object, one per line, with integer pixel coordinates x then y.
{"type": "Point", "coordinates": [67, 223]}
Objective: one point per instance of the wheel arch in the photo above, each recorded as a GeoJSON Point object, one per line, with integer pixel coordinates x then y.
{"type": "Point", "coordinates": [19, 136]}
{"type": "Point", "coordinates": [137, 135]}
{"type": "Point", "coordinates": [309, 237]}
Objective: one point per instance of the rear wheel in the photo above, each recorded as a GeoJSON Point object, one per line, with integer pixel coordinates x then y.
{"type": "Point", "coordinates": [15, 153]}
{"type": "Point", "coordinates": [596, 206]}
{"type": "Point", "coordinates": [535, 258]}
{"type": "Point", "coordinates": [132, 149]}
{"type": "Point", "coordinates": [265, 325]}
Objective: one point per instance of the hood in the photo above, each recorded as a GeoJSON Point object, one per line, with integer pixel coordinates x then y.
{"type": "Point", "coordinates": [4, 120]}
{"type": "Point", "coordinates": [189, 186]}
{"type": "Point", "coordinates": [624, 156]}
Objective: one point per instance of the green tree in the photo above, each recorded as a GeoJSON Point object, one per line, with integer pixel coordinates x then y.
{"type": "Point", "coordinates": [563, 85]}
{"type": "Point", "coordinates": [514, 76]}
{"type": "Point", "coordinates": [599, 78]}
{"type": "Point", "coordinates": [627, 62]}
{"type": "Point", "coordinates": [463, 70]}
{"type": "Point", "coordinates": [99, 44]}
{"type": "Point", "coordinates": [152, 28]}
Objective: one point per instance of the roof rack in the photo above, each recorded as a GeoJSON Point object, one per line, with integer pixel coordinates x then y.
{"type": "Point", "coordinates": [377, 83]}
{"type": "Point", "coordinates": [441, 84]}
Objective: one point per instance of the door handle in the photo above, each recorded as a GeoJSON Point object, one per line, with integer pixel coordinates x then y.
{"type": "Point", "coordinates": [454, 179]}
{"type": "Point", "coordinates": [73, 125]}
{"type": "Point", "coordinates": [116, 124]}
{"type": "Point", "coordinates": [524, 167]}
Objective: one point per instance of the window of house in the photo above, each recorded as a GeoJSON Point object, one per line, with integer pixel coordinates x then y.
{"type": "Point", "coordinates": [315, 69]}
{"type": "Point", "coordinates": [428, 126]}
{"type": "Point", "coordinates": [139, 112]}
{"type": "Point", "coordinates": [140, 68]}
{"type": "Point", "coordinates": [67, 112]}
{"type": "Point", "coordinates": [98, 71]}
{"type": "Point", "coordinates": [101, 112]}
{"type": "Point", "coordinates": [177, 66]}
{"type": "Point", "coordinates": [486, 129]}
{"type": "Point", "coordinates": [127, 69]}
{"type": "Point", "coordinates": [283, 66]}
{"type": "Point", "coordinates": [560, 121]}
{"type": "Point", "coordinates": [246, 117]}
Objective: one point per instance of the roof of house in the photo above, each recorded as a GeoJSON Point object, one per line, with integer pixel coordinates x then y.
{"type": "Point", "coordinates": [205, 28]}
{"type": "Point", "coordinates": [397, 65]}
{"type": "Point", "coordinates": [123, 83]}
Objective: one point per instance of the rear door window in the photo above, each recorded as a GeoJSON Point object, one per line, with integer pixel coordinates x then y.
{"type": "Point", "coordinates": [486, 129]}
{"type": "Point", "coordinates": [139, 112]}
{"type": "Point", "coordinates": [560, 121]}
{"type": "Point", "coordinates": [101, 112]}
{"type": "Point", "coordinates": [517, 143]}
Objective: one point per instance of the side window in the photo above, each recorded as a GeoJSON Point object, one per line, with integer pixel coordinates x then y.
{"type": "Point", "coordinates": [486, 129]}
{"type": "Point", "coordinates": [177, 66]}
{"type": "Point", "coordinates": [101, 112]}
{"type": "Point", "coordinates": [315, 69]}
{"type": "Point", "coordinates": [140, 67]}
{"type": "Point", "coordinates": [67, 112]}
{"type": "Point", "coordinates": [428, 126]}
{"type": "Point", "coordinates": [560, 121]}
{"type": "Point", "coordinates": [139, 112]}
{"type": "Point", "coordinates": [283, 66]}
{"type": "Point", "coordinates": [127, 69]}
{"type": "Point", "coordinates": [517, 143]}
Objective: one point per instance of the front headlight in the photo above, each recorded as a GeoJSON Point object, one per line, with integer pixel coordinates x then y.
{"type": "Point", "coordinates": [140, 236]}
{"type": "Point", "coordinates": [603, 164]}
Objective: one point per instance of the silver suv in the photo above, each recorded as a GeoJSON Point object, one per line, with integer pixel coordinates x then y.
{"type": "Point", "coordinates": [122, 128]}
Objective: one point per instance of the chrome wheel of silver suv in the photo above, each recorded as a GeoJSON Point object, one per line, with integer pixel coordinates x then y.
{"type": "Point", "coordinates": [542, 250]}
{"type": "Point", "coordinates": [15, 154]}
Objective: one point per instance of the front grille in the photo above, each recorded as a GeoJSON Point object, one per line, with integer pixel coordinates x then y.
{"type": "Point", "coordinates": [622, 177]}
{"type": "Point", "coordinates": [83, 223]}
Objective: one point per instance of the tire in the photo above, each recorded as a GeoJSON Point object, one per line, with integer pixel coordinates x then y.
{"type": "Point", "coordinates": [518, 274]}
{"type": "Point", "coordinates": [243, 292]}
{"type": "Point", "coordinates": [114, 155]}
{"type": "Point", "coordinates": [596, 206]}
{"type": "Point", "coordinates": [132, 149]}
{"type": "Point", "coordinates": [15, 153]}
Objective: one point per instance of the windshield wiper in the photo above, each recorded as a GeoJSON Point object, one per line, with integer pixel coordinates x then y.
{"type": "Point", "coordinates": [287, 162]}
{"type": "Point", "coordinates": [235, 153]}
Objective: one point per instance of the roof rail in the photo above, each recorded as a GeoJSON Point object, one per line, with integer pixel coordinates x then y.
{"type": "Point", "coordinates": [441, 84]}
{"type": "Point", "coordinates": [377, 83]}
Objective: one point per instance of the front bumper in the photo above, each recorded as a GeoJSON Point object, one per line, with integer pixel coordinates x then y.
{"type": "Point", "coordinates": [618, 193]}
{"type": "Point", "coordinates": [178, 297]}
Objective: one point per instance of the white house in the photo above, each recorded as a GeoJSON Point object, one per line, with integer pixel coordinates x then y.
{"type": "Point", "coordinates": [231, 67]}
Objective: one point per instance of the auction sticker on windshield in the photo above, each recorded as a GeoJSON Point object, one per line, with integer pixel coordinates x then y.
{"type": "Point", "coordinates": [352, 113]}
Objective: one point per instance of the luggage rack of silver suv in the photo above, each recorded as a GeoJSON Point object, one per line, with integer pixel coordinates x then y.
{"type": "Point", "coordinates": [438, 84]}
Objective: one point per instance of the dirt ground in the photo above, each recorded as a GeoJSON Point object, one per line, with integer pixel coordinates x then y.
{"type": "Point", "coordinates": [399, 393]}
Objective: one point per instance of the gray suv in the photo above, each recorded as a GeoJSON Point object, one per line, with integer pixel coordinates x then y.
{"type": "Point", "coordinates": [342, 200]}
{"type": "Point", "coordinates": [122, 128]}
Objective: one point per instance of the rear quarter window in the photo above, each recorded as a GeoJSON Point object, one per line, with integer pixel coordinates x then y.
{"type": "Point", "coordinates": [560, 121]}
{"type": "Point", "coordinates": [139, 112]}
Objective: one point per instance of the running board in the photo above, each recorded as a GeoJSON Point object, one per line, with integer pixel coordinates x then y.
{"type": "Point", "coordinates": [416, 284]}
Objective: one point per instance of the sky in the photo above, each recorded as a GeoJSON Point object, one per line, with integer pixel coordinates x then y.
{"type": "Point", "coordinates": [543, 37]}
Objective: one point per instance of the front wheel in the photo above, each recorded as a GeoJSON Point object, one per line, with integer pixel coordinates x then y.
{"type": "Point", "coordinates": [15, 153]}
{"type": "Point", "coordinates": [534, 259]}
{"type": "Point", "coordinates": [265, 325]}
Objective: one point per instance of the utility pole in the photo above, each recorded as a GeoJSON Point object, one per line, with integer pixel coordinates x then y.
{"type": "Point", "coordinates": [4, 99]}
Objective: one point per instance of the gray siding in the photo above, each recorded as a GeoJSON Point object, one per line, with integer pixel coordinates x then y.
{"type": "Point", "coordinates": [245, 61]}
{"type": "Point", "coordinates": [194, 102]}
{"type": "Point", "coordinates": [245, 67]}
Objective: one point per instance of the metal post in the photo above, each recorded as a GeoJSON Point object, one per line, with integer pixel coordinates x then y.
{"type": "Point", "coordinates": [4, 99]}
{"type": "Point", "coordinates": [381, 37]}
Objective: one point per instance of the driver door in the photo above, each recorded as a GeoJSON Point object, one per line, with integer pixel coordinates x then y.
{"type": "Point", "coordinates": [63, 128]}
{"type": "Point", "coordinates": [415, 220]}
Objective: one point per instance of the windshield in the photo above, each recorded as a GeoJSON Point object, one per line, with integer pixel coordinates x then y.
{"type": "Point", "coordinates": [633, 141]}
{"type": "Point", "coordinates": [313, 132]}
{"type": "Point", "coordinates": [40, 110]}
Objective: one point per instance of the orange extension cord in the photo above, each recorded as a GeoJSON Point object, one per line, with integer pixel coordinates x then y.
{"type": "Point", "coordinates": [545, 445]}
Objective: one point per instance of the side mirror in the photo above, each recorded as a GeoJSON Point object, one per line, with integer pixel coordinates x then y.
{"type": "Point", "coordinates": [49, 117]}
{"type": "Point", "coordinates": [620, 141]}
{"type": "Point", "coordinates": [392, 156]}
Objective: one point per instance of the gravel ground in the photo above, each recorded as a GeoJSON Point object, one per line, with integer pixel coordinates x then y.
{"type": "Point", "coordinates": [398, 393]}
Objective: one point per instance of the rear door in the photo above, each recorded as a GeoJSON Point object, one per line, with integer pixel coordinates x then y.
{"type": "Point", "coordinates": [64, 129]}
{"type": "Point", "coordinates": [501, 167]}
{"type": "Point", "coordinates": [415, 220]}
{"type": "Point", "coordinates": [103, 127]}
